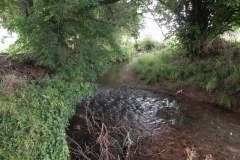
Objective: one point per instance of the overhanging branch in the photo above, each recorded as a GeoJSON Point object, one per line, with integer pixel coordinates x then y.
{"type": "Point", "coordinates": [162, 2]}
{"type": "Point", "coordinates": [104, 2]}
{"type": "Point", "coordinates": [101, 3]}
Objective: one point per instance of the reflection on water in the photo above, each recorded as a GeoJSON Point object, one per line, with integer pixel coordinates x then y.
{"type": "Point", "coordinates": [137, 108]}
{"type": "Point", "coordinates": [169, 122]}
{"type": "Point", "coordinates": [150, 114]}
{"type": "Point", "coordinates": [112, 79]}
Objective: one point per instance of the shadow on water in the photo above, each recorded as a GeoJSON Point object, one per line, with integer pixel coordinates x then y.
{"type": "Point", "coordinates": [161, 126]}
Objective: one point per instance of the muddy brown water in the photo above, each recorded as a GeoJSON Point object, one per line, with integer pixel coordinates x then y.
{"type": "Point", "coordinates": [162, 127]}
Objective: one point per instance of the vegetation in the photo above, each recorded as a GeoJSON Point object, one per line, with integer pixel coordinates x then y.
{"type": "Point", "coordinates": [34, 118]}
{"type": "Point", "coordinates": [147, 44]}
{"type": "Point", "coordinates": [194, 22]}
{"type": "Point", "coordinates": [67, 37]}
{"type": "Point", "coordinates": [218, 73]}
{"type": "Point", "coordinates": [199, 56]}
{"type": "Point", "coordinates": [76, 40]}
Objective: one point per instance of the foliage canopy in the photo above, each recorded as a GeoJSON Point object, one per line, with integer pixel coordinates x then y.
{"type": "Point", "coordinates": [193, 22]}
{"type": "Point", "coordinates": [72, 37]}
{"type": "Point", "coordinates": [76, 39]}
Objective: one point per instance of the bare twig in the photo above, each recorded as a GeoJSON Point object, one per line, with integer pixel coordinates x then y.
{"type": "Point", "coordinates": [104, 138]}
{"type": "Point", "coordinates": [79, 149]}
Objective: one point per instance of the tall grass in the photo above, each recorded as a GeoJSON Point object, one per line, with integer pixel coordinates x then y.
{"type": "Point", "coordinates": [218, 73]}
{"type": "Point", "coordinates": [158, 66]}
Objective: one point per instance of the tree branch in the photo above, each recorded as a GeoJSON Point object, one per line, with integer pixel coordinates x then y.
{"type": "Point", "coordinates": [108, 2]}
{"type": "Point", "coordinates": [29, 5]}
{"type": "Point", "coordinates": [104, 2]}
{"type": "Point", "coordinates": [162, 2]}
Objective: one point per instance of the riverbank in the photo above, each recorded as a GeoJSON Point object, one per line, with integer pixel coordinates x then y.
{"type": "Point", "coordinates": [161, 126]}
{"type": "Point", "coordinates": [35, 107]}
{"type": "Point", "coordinates": [211, 78]}
{"type": "Point", "coordinates": [20, 69]}
{"type": "Point", "coordinates": [190, 93]}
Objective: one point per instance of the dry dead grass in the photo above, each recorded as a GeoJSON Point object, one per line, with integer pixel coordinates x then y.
{"type": "Point", "coordinates": [21, 69]}
{"type": "Point", "coordinates": [214, 46]}
{"type": "Point", "coordinates": [11, 82]}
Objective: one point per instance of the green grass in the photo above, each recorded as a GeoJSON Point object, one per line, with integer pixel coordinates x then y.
{"type": "Point", "coordinates": [219, 73]}
{"type": "Point", "coordinates": [158, 66]}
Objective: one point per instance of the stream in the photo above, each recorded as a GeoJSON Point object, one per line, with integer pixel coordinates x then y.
{"type": "Point", "coordinates": [162, 127]}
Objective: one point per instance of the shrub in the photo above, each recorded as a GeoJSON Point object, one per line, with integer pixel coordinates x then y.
{"type": "Point", "coordinates": [147, 44]}
{"type": "Point", "coordinates": [33, 119]}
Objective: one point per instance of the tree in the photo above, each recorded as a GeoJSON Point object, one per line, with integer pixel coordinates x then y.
{"type": "Point", "coordinates": [71, 37]}
{"type": "Point", "coordinates": [195, 21]}
{"type": "Point", "coordinates": [75, 38]}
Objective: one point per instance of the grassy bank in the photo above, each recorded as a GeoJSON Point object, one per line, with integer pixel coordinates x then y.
{"type": "Point", "coordinates": [34, 117]}
{"type": "Point", "coordinates": [218, 72]}
{"type": "Point", "coordinates": [35, 111]}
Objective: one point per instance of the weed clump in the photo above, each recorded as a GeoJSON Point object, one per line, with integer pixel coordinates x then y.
{"type": "Point", "coordinates": [214, 46]}
{"type": "Point", "coordinates": [11, 82]}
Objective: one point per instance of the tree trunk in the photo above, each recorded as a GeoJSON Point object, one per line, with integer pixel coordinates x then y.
{"type": "Point", "coordinates": [29, 5]}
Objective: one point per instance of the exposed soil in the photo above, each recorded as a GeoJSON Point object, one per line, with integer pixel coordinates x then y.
{"type": "Point", "coordinates": [191, 93]}
{"type": "Point", "coordinates": [20, 69]}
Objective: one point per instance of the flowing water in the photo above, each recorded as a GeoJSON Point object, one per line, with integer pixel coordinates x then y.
{"type": "Point", "coordinates": [163, 127]}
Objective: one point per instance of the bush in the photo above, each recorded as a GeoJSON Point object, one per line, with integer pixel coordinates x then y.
{"type": "Point", "coordinates": [33, 119]}
{"type": "Point", "coordinates": [126, 53]}
{"type": "Point", "coordinates": [147, 44]}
